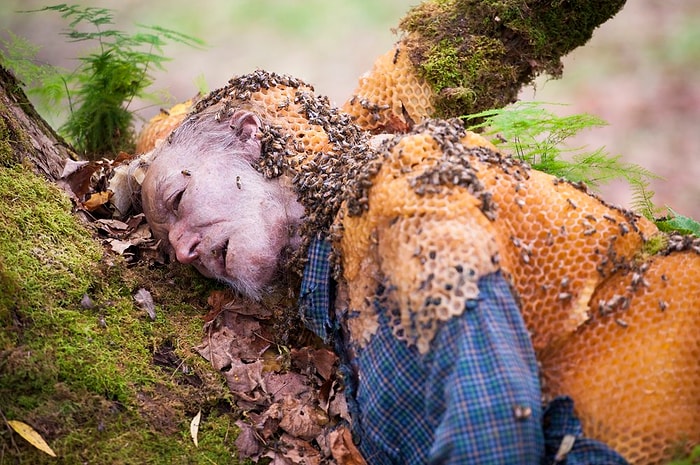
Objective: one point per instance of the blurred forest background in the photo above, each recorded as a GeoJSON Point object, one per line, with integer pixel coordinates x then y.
{"type": "Point", "coordinates": [640, 72]}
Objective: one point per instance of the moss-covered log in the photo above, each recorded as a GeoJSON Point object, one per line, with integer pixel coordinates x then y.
{"type": "Point", "coordinates": [477, 54]}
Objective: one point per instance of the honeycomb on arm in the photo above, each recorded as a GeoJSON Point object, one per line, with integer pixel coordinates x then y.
{"type": "Point", "coordinates": [420, 254]}
{"type": "Point", "coordinates": [634, 368]}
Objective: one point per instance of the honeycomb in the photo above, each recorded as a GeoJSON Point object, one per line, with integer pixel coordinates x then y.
{"type": "Point", "coordinates": [634, 369]}
{"type": "Point", "coordinates": [414, 245]}
{"type": "Point", "coordinates": [391, 97]}
{"type": "Point", "coordinates": [557, 242]}
{"type": "Point", "coordinates": [560, 243]}
{"type": "Point", "coordinates": [616, 333]}
{"type": "Point", "coordinates": [160, 126]}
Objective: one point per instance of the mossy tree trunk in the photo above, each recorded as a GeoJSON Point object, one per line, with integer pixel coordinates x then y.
{"type": "Point", "coordinates": [25, 137]}
{"type": "Point", "coordinates": [478, 54]}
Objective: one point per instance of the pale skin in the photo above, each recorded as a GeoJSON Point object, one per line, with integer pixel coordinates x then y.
{"type": "Point", "coordinates": [213, 210]}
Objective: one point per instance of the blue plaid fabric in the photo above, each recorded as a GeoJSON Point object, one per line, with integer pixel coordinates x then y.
{"type": "Point", "coordinates": [473, 398]}
{"type": "Point", "coordinates": [315, 292]}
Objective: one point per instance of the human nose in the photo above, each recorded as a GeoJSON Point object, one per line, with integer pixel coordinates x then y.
{"type": "Point", "coordinates": [185, 244]}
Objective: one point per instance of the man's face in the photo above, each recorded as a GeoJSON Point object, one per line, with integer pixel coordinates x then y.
{"type": "Point", "coordinates": [204, 200]}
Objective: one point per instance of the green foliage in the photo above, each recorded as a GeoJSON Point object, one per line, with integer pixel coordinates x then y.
{"type": "Point", "coordinates": [537, 136]}
{"type": "Point", "coordinates": [105, 82]}
{"type": "Point", "coordinates": [679, 224]}
{"type": "Point", "coordinates": [47, 83]}
{"type": "Point", "coordinates": [692, 459]}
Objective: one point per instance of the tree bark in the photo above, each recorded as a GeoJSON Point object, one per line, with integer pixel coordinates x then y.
{"type": "Point", "coordinates": [24, 135]}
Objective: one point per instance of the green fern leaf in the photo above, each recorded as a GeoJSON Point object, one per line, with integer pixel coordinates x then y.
{"type": "Point", "coordinates": [537, 136]}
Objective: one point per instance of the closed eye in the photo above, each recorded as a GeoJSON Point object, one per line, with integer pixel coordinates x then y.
{"type": "Point", "coordinates": [175, 200]}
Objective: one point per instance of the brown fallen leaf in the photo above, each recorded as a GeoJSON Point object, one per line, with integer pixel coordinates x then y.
{"type": "Point", "coordinates": [30, 434]}
{"type": "Point", "coordinates": [302, 419]}
{"type": "Point", "coordinates": [343, 449]}
{"type": "Point", "coordinates": [267, 423]}
{"type": "Point", "coordinates": [282, 385]}
{"type": "Point", "coordinates": [119, 246]}
{"type": "Point", "coordinates": [242, 378]}
{"type": "Point", "coordinates": [298, 451]}
{"type": "Point", "coordinates": [96, 200]}
{"type": "Point", "coordinates": [247, 442]}
{"type": "Point", "coordinates": [76, 177]}
{"type": "Point", "coordinates": [113, 228]}
{"type": "Point", "coordinates": [308, 359]}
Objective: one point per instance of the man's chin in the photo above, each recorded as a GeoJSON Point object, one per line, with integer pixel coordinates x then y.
{"type": "Point", "coordinates": [252, 285]}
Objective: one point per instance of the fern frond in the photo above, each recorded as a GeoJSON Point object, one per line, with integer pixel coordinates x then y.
{"type": "Point", "coordinates": [104, 84]}
{"type": "Point", "coordinates": [536, 136]}
{"type": "Point", "coordinates": [174, 36]}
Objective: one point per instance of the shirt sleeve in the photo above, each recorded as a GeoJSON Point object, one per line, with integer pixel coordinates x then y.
{"type": "Point", "coordinates": [474, 397]}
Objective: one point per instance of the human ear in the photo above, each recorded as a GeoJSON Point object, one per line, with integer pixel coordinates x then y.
{"type": "Point", "coordinates": [245, 125]}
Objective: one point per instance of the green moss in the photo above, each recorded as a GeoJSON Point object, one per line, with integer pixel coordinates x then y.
{"type": "Point", "coordinates": [83, 376]}
{"type": "Point", "coordinates": [8, 140]}
{"type": "Point", "coordinates": [442, 66]}
{"type": "Point", "coordinates": [6, 152]}
{"type": "Point", "coordinates": [655, 244]}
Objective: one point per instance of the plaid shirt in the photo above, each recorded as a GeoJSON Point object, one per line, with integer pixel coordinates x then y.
{"type": "Point", "coordinates": [473, 398]}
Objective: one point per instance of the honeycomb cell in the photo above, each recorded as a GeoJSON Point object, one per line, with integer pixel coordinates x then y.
{"type": "Point", "coordinates": [160, 126]}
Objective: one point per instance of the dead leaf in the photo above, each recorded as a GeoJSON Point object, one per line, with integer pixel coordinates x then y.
{"type": "Point", "coordinates": [243, 378]}
{"type": "Point", "coordinates": [267, 423]}
{"type": "Point", "coordinates": [338, 407]}
{"type": "Point", "coordinates": [96, 200]}
{"type": "Point", "coordinates": [113, 228]}
{"type": "Point", "coordinates": [122, 157]}
{"type": "Point", "coordinates": [247, 442]}
{"type": "Point", "coordinates": [30, 434]}
{"type": "Point", "coordinates": [194, 428]}
{"type": "Point", "coordinates": [144, 299]}
{"type": "Point", "coordinates": [119, 246]}
{"type": "Point", "coordinates": [302, 419]}
{"type": "Point", "coordinates": [76, 176]}
{"type": "Point", "coordinates": [299, 451]}
{"type": "Point", "coordinates": [320, 360]}
{"type": "Point", "coordinates": [282, 385]}
{"type": "Point", "coordinates": [343, 449]}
